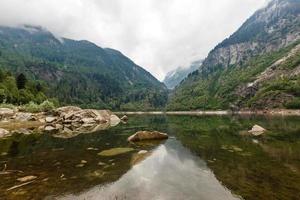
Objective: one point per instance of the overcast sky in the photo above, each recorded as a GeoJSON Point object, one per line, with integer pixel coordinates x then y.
{"type": "Point", "coordinates": [159, 35]}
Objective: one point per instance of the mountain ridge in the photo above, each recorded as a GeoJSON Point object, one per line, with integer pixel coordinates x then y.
{"type": "Point", "coordinates": [266, 37]}
{"type": "Point", "coordinates": [78, 71]}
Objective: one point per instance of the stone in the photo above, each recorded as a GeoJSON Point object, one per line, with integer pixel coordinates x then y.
{"type": "Point", "coordinates": [62, 111]}
{"type": "Point", "coordinates": [101, 163]}
{"type": "Point", "coordinates": [3, 132]}
{"type": "Point", "coordinates": [257, 130]}
{"type": "Point", "coordinates": [142, 152]}
{"type": "Point", "coordinates": [88, 120]}
{"type": "Point", "coordinates": [139, 157]}
{"type": "Point", "coordinates": [114, 120]}
{"type": "Point", "coordinates": [124, 118]}
{"type": "Point", "coordinates": [6, 112]}
{"type": "Point", "coordinates": [50, 119]}
{"type": "Point", "coordinates": [115, 151]}
{"type": "Point", "coordinates": [49, 128]}
{"type": "Point", "coordinates": [21, 116]}
{"type": "Point", "coordinates": [27, 178]}
{"type": "Point", "coordinates": [147, 135]}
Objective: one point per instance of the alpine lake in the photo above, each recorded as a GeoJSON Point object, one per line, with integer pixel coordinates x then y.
{"type": "Point", "coordinates": [205, 158]}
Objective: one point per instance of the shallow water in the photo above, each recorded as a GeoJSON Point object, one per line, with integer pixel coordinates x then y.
{"type": "Point", "coordinates": [206, 157]}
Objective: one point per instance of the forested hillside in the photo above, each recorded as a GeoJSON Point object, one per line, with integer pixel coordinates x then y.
{"type": "Point", "coordinates": [257, 67]}
{"type": "Point", "coordinates": [79, 72]}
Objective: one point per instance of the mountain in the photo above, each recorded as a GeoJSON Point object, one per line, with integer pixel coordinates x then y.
{"type": "Point", "coordinates": [174, 77]}
{"type": "Point", "coordinates": [256, 67]}
{"type": "Point", "coordinates": [79, 72]}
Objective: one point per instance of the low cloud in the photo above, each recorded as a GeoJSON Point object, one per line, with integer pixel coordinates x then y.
{"type": "Point", "coordinates": [158, 35]}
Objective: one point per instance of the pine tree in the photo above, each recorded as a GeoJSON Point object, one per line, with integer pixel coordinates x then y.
{"type": "Point", "coordinates": [21, 81]}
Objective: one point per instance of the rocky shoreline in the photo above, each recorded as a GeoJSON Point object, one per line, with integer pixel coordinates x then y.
{"type": "Point", "coordinates": [62, 122]}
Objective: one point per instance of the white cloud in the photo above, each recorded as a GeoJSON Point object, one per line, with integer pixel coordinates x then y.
{"type": "Point", "coordinates": [158, 35]}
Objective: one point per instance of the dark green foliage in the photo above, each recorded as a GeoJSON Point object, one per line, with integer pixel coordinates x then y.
{"type": "Point", "coordinates": [15, 91]}
{"type": "Point", "coordinates": [79, 72]}
{"type": "Point", "coordinates": [21, 81]}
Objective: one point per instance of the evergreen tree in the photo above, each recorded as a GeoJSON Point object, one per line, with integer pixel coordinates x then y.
{"type": "Point", "coordinates": [21, 81]}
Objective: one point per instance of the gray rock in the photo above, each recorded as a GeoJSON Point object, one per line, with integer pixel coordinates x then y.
{"type": "Point", "coordinates": [49, 128]}
{"type": "Point", "coordinates": [21, 116]}
{"type": "Point", "coordinates": [257, 130]}
{"type": "Point", "coordinates": [6, 112]}
{"type": "Point", "coordinates": [50, 119]}
{"type": "Point", "coordinates": [88, 120]}
{"type": "Point", "coordinates": [114, 120]}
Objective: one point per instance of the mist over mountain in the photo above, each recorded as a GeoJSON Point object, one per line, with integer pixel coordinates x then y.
{"type": "Point", "coordinates": [174, 77]}
{"type": "Point", "coordinates": [256, 67]}
{"type": "Point", "coordinates": [79, 72]}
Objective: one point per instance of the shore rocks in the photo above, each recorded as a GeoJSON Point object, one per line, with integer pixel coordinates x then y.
{"type": "Point", "coordinates": [124, 118]}
{"type": "Point", "coordinates": [22, 116]}
{"type": "Point", "coordinates": [147, 135]}
{"type": "Point", "coordinates": [6, 112]}
{"type": "Point", "coordinates": [65, 122]}
{"type": "Point", "coordinates": [3, 132]}
{"type": "Point", "coordinates": [50, 119]}
{"type": "Point", "coordinates": [257, 130]}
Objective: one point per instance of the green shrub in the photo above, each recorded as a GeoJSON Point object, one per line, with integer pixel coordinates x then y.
{"type": "Point", "coordinates": [295, 104]}
{"type": "Point", "coordinates": [7, 105]}
{"type": "Point", "coordinates": [33, 107]}
{"type": "Point", "coordinates": [47, 106]}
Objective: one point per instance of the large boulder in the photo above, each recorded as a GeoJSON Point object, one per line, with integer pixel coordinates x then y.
{"type": "Point", "coordinates": [6, 113]}
{"type": "Point", "coordinates": [114, 120]}
{"type": "Point", "coordinates": [147, 135]}
{"type": "Point", "coordinates": [50, 119]}
{"type": "Point", "coordinates": [23, 116]}
{"type": "Point", "coordinates": [62, 111]}
{"type": "Point", "coordinates": [257, 130]}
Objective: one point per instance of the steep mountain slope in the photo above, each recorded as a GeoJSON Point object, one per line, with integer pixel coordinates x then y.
{"type": "Point", "coordinates": [256, 67]}
{"type": "Point", "coordinates": [174, 77]}
{"type": "Point", "coordinates": [79, 72]}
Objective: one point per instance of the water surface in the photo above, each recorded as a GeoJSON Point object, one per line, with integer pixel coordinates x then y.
{"type": "Point", "coordinates": [206, 157]}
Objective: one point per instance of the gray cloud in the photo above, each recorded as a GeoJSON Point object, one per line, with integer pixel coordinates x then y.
{"type": "Point", "coordinates": [158, 35]}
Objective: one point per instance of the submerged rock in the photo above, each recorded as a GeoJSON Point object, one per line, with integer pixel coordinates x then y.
{"type": "Point", "coordinates": [257, 130]}
{"type": "Point", "coordinates": [115, 151]}
{"type": "Point", "coordinates": [139, 157]}
{"type": "Point", "coordinates": [147, 135]}
{"type": "Point", "coordinates": [27, 178]}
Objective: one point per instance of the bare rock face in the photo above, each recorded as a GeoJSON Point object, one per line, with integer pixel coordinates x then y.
{"type": "Point", "coordinates": [257, 130]}
{"type": "Point", "coordinates": [147, 135]}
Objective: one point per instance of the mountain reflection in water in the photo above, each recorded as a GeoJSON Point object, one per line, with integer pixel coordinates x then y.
{"type": "Point", "coordinates": [171, 172]}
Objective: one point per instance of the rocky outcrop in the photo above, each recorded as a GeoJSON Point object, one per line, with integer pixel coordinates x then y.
{"type": "Point", "coordinates": [64, 122]}
{"type": "Point", "coordinates": [147, 135]}
{"type": "Point", "coordinates": [6, 113]}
